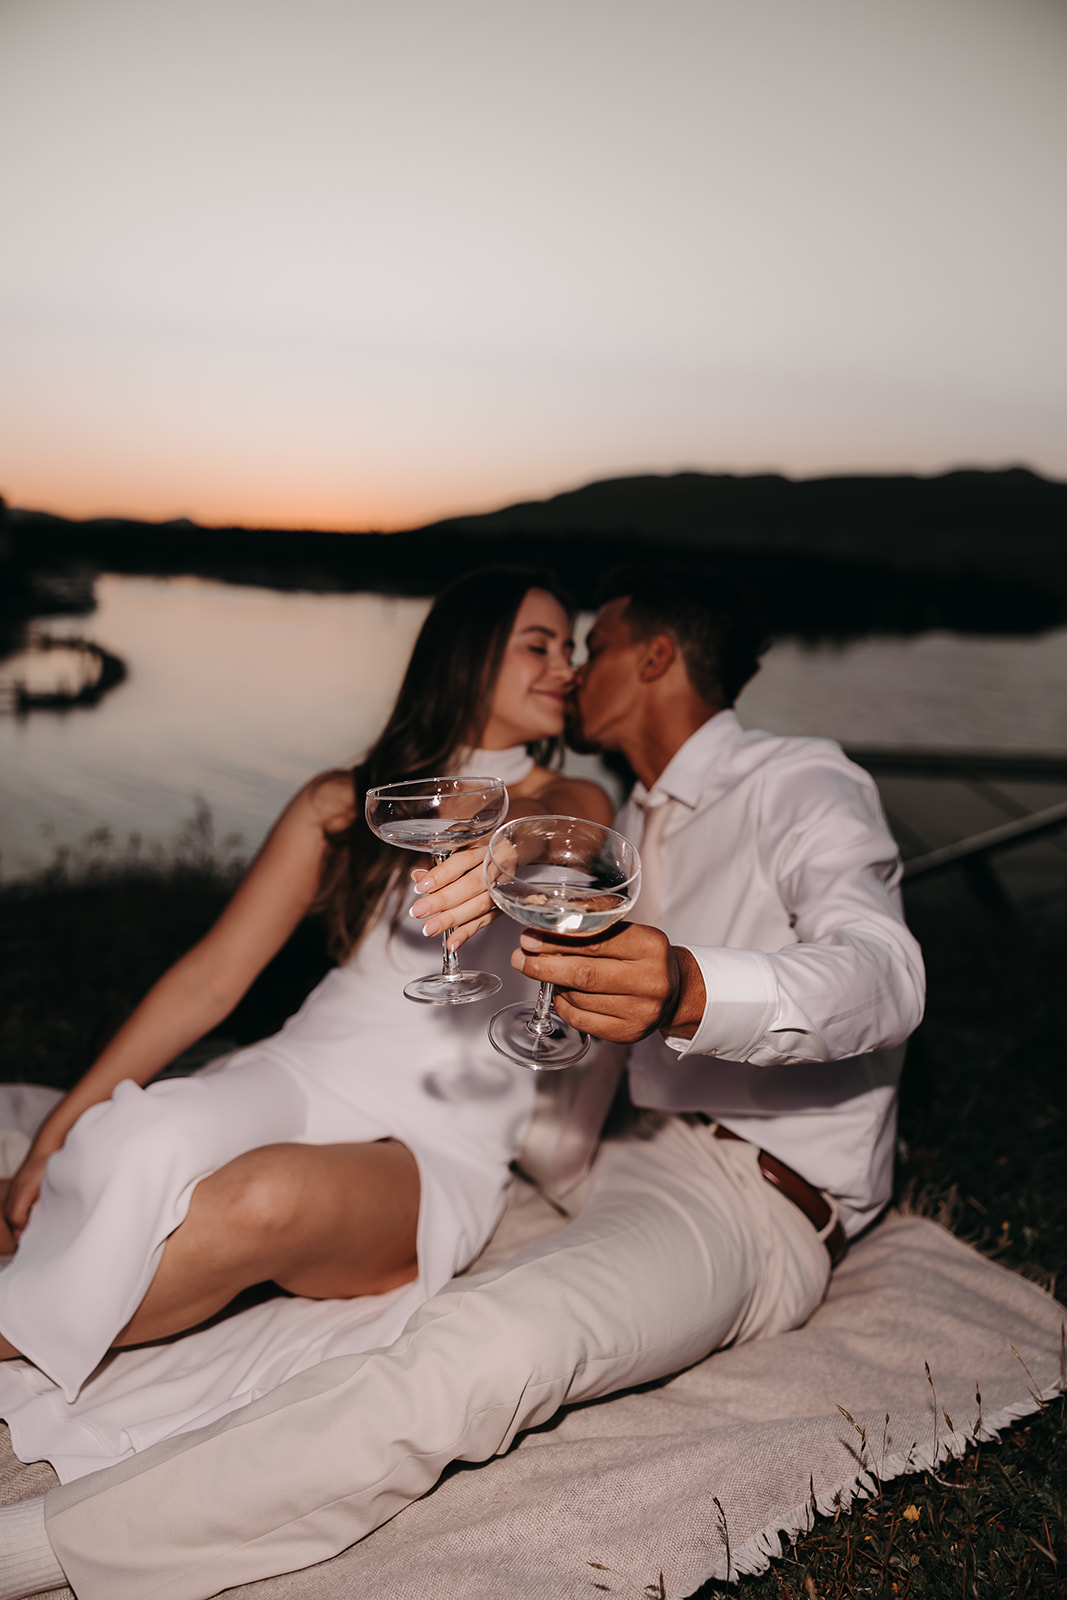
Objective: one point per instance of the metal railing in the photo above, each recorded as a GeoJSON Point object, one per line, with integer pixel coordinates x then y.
{"type": "Point", "coordinates": [1050, 820]}
{"type": "Point", "coordinates": [977, 771]}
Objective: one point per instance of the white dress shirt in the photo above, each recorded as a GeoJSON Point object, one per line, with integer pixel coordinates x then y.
{"type": "Point", "coordinates": [780, 876]}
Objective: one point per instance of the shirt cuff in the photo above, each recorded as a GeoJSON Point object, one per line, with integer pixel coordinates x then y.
{"type": "Point", "coordinates": [741, 1004]}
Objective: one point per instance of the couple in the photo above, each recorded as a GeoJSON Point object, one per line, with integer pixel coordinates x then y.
{"type": "Point", "coordinates": [765, 1026]}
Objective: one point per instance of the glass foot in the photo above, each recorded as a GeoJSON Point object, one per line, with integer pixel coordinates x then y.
{"type": "Point", "coordinates": [514, 1033]}
{"type": "Point", "coordinates": [452, 988]}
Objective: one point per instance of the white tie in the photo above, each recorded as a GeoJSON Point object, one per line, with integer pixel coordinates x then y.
{"type": "Point", "coordinates": [650, 900]}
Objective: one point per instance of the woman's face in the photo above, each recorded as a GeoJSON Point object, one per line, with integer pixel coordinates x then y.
{"type": "Point", "coordinates": [531, 688]}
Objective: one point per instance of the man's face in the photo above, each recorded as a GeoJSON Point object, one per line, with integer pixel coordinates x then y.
{"type": "Point", "coordinates": [608, 681]}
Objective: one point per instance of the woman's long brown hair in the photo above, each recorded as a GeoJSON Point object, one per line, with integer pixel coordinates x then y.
{"type": "Point", "coordinates": [443, 706]}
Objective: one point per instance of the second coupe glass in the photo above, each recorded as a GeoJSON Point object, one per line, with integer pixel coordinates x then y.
{"type": "Point", "coordinates": [439, 816]}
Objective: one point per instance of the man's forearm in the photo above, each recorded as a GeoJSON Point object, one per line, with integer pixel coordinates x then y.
{"type": "Point", "coordinates": [806, 1002]}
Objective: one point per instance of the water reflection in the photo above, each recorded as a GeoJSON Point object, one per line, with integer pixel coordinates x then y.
{"type": "Point", "coordinates": [63, 669]}
{"type": "Point", "coordinates": [239, 694]}
{"type": "Point", "coordinates": [234, 694]}
{"type": "Point", "coordinates": [940, 691]}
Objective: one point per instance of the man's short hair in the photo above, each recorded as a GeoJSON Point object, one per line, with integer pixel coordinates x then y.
{"type": "Point", "coordinates": [715, 624]}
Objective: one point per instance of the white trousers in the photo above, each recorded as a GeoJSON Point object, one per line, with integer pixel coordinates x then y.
{"type": "Point", "coordinates": [681, 1247]}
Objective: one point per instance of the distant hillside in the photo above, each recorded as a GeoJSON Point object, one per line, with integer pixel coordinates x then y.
{"type": "Point", "coordinates": [832, 557]}
{"type": "Point", "coordinates": [961, 519]}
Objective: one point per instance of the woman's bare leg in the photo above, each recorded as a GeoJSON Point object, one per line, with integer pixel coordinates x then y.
{"type": "Point", "coordinates": [326, 1221]}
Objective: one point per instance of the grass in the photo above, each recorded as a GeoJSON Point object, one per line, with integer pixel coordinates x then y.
{"type": "Point", "coordinates": [982, 1148]}
{"type": "Point", "coordinates": [80, 944]}
{"type": "Point", "coordinates": [990, 1524]}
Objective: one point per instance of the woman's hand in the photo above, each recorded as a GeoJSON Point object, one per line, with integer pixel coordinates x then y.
{"type": "Point", "coordinates": [453, 897]}
{"type": "Point", "coordinates": [24, 1189]}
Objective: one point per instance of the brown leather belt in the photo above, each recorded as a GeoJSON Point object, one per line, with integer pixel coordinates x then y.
{"type": "Point", "coordinates": [804, 1195]}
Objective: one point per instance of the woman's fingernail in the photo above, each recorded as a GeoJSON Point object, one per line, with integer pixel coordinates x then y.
{"type": "Point", "coordinates": [430, 928]}
{"type": "Point", "coordinates": [425, 886]}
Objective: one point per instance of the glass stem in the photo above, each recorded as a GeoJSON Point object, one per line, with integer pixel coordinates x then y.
{"type": "Point", "coordinates": [541, 1021]}
{"type": "Point", "coordinates": [449, 958]}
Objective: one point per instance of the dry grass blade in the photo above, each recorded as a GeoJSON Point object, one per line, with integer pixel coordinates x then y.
{"type": "Point", "coordinates": [1031, 1387]}
{"type": "Point", "coordinates": [1045, 1551]}
{"type": "Point", "coordinates": [725, 1531]}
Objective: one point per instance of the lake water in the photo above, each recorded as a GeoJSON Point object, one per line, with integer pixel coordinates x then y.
{"type": "Point", "coordinates": [236, 695]}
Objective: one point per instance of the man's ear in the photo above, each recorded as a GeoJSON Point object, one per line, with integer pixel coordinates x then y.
{"type": "Point", "coordinates": [658, 655]}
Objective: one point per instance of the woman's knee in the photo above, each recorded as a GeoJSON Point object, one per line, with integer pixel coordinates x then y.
{"type": "Point", "coordinates": [258, 1195]}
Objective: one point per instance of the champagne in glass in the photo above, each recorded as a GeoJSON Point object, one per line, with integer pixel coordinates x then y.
{"type": "Point", "coordinates": [439, 816]}
{"type": "Point", "coordinates": [565, 876]}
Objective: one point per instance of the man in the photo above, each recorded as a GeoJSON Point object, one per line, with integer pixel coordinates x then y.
{"type": "Point", "coordinates": [767, 1023]}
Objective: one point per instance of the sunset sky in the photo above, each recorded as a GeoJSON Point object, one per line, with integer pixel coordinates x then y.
{"type": "Point", "coordinates": [346, 264]}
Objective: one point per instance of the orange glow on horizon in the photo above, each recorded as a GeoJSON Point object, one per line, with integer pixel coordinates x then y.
{"type": "Point", "coordinates": [246, 512]}
{"type": "Point", "coordinates": [378, 512]}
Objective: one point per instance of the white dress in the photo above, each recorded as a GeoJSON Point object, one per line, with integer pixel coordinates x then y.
{"type": "Point", "coordinates": [357, 1062]}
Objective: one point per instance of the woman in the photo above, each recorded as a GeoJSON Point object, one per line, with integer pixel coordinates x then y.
{"type": "Point", "coordinates": [363, 1151]}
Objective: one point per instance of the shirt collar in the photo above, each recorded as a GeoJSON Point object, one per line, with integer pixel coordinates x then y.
{"type": "Point", "coordinates": [687, 775]}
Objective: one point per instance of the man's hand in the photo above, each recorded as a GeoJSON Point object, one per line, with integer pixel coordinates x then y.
{"type": "Point", "coordinates": [454, 897]}
{"type": "Point", "coordinates": [621, 986]}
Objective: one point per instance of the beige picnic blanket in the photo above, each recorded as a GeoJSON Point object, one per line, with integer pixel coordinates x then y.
{"type": "Point", "coordinates": [697, 1477]}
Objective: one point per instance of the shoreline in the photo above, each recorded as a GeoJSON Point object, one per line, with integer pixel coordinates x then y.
{"type": "Point", "coordinates": [111, 671]}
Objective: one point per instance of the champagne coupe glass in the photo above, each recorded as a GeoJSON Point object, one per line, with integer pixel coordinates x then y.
{"type": "Point", "coordinates": [567, 876]}
{"type": "Point", "coordinates": [438, 816]}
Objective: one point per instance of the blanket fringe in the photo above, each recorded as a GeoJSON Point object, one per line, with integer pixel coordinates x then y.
{"type": "Point", "coordinates": [757, 1552]}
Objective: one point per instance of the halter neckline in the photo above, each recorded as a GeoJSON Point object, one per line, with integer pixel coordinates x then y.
{"type": "Point", "coordinates": [510, 765]}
